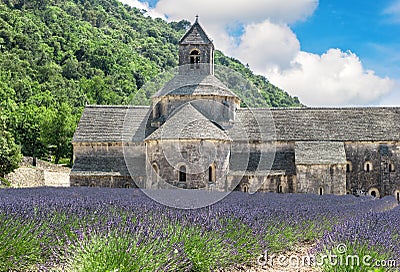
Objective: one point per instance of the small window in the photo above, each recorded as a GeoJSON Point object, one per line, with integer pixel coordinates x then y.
{"type": "Point", "coordinates": [182, 173]}
{"type": "Point", "coordinates": [280, 189]}
{"type": "Point", "coordinates": [349, 167]}
{"type": "Point", "coordinates": [321, 191]}
{"type": "Point", "coordinates": [397, 195]}
{"type": "Point", "coordinates": [195, 59]}
{"type": "Point", "coordinates": [211, 173]}
{"type": "Point", "coordinates": [128, 186]}
{"type": "Point", "coordinates": [245, 188]}
{"type": "Point", "coordinates": [374, 192]}
{"type": "Point", "coordinates": [391, 167]}
{"type": "Point", "coordinates": [155, 173]}
{"type": "Point", "coordinates": [367, 166]}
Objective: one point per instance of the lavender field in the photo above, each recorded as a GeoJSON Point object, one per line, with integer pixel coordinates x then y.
{"type": "Point", "coordinates": [93, 229]}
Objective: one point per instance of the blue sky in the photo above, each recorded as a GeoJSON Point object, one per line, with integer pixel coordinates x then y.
{"type": "Point", "coordinates": [360, 26]}
{"type": "Point", "coordinates": [329, 53]}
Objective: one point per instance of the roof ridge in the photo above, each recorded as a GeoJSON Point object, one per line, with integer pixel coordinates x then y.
{"type": "Point", "coordinates": [196, 23]}
{"type": "Point", "coordinates": [116, 106]}
{"type": "Point", "coordinates": [328, 108]}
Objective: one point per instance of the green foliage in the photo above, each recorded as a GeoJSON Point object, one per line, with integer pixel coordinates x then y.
{"type": "Point", "coordinates": [57, 56]}
{"type": "Point", "coordinates": [4, 182]}
{"type": "Point", "coordinates": [10, 153]}
{"type": "Point", "coordinates": [20, 249]}
{"type": "Point", "coordinates": [118, 252]}
{"type": "Point", "coordinates": [58, 130]}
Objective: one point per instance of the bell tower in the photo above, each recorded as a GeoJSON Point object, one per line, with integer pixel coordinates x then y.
{"type": "Point", "coordinates": [196, 52]}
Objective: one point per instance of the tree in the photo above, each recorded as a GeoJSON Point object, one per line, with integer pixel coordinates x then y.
{"type": "Point", "coordinates": [28, 130]}
{"type": "Point", "coordinates": [58, 130]}
{"type": "Point", "coordinates": [10, 153]}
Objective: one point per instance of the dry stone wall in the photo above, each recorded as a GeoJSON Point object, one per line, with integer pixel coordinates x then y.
{"type": "Point", "coordinates": [43, 174]}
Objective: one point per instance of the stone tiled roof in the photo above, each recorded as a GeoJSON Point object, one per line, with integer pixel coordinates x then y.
{"type": "Point", "coordinates": [260, 162]}
{"type": "Point", "coordinates": [195, 35]}
{"type": "Point", "coordinates": [322, 124]}
{"type": "Point", "coordinates": [113, 165]}
{"type": "Point", "coordinates": [106, 123]}
{"type": "Point", "coordinates": [309, 153]}
{"type": "Point", "coordinates": [188, 123]}
{"type": "Point", "coordinates": [191, 84]}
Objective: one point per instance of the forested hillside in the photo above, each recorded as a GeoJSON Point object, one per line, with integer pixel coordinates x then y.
{"type": "Point", "coordinates": [59, 55]}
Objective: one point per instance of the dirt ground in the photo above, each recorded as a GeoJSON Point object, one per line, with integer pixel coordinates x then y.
{"type": "Point", "coordinates": [290, 261]}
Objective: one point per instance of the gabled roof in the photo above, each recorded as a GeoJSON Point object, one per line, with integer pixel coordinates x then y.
{"type": "Point", "coordinates": [188, 123]}
{"type": "Point", "coordinates": [320, 124]}
{"type": "Point", "coordinates": [309, 153]}
{"type": "Point", "coordinates": [194, 85]}
{"type": "Point", "coordinates": [106, 123]}
{"type": "Point", "coordinates": [195, 35]}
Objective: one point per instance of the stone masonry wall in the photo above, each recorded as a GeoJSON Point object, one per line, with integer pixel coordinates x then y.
{"type": "Point", "coordinates": [380, 177]}
{"type": "Point", "coordinates": [330, 178]}
{"type": "Point", "coordinates": [169, 160]}
{"type": "Point", "coordinates": [44, 174]}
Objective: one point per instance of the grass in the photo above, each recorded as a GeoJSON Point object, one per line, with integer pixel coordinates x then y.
{"type": "Point", "coordinates": [4, 182]}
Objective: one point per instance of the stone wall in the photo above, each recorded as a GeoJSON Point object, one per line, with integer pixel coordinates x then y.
{"type": "Point", "coordinates": [103, 181]}
{"type": "Point", "coordinates": [383, 174]}
{"type": "Point", "coordinates": [165, 160]}
{"type": "Point", "coordinates": [43, 174]}
{"type": "Point", "coordinates": [220, 109]}
{"type": "Point", "coordinates": [321, 179]}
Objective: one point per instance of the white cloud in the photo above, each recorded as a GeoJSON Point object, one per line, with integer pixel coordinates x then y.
{"type": "Point", "coordinates": [393, 11]}
{"type": "Point", "coordinates": [244, 11]}
{"type": "Point", "coordinates": [393, 98]}
{"type": "Point", "coordinates": [333, 78]}
{"type": "Point", "coordinates": [267, 46]}
{"type": "Point", "coordinates": [144, 6]}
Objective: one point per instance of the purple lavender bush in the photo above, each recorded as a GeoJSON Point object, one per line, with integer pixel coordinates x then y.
{"type": "Point", "coordinates": [101, 229]}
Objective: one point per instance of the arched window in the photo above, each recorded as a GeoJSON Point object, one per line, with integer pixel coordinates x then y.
{"type": "Point", "coordinates": [157, 110]}
{"type": "Point", "coordinates": [374, 192]}
{"type": "Point", "coordinates": [367, 166]}
{"type": "Point", "coordinates": [321, 191]}
{"type": "Point", "coordinates": [349, 167]}
{"type": "Point", "coordinates": [127, 186]}
{"type": "Point", "coordinates": [391, 167]}
{"type": "Point", "coordinates": [155, 175]}
{"type": "Point", "coordinates": [245, 188]}
{"type": "Point", "coordinates": [211, 173]}
{"type": "Point", "coordinates": [182, 174]}
{"type": "Point", "coordinates": [280, 189]}
{"type": "Point", "coordinates": [195, 59]}
{"type": "Point", "coordinates": [398, 195]}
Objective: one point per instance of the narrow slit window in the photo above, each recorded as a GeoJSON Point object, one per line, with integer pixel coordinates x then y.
{"type": "Point", "coordinates": [182, 174]}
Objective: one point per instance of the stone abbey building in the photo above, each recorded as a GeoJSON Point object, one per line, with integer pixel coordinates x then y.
{"type": "Point", "coordinates": [196, 136]}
